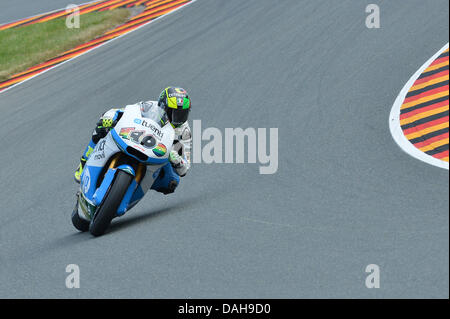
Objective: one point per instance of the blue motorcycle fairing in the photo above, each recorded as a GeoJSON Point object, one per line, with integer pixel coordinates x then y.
{"type": "Point", "coordinates": [89, 179]}
{"type": "Point", "coordinates": [127, 168]}
{"type": "Point", "coordinates": [169, 174]}
{"type": "Point", "coordinates": [100, 193]}
{"type": "Point", "coordinates": [124, 205]}
{"type": "Point", "coordinates": [137, 196]}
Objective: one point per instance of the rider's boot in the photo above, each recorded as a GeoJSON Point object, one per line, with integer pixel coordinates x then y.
{"type": "Point", "coordinates": [83, 159]}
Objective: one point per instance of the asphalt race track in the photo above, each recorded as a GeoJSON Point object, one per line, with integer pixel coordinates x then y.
{"type": "Point", "coordinates": [11, 10]}
{"type": "Point", "coordinates": [345, 195]}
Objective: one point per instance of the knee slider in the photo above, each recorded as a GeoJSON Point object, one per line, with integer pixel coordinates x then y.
{"type": "Point", "coordinates": [170, 188]}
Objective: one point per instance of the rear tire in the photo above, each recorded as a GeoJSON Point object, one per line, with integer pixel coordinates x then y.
{"type": "Point", "coordinates": [79, 223]}
{"type": "Point", "coordinates": [108, 209]}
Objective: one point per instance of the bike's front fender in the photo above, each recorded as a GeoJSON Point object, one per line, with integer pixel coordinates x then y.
{"type": "Point", "coordinates": [108, 179]}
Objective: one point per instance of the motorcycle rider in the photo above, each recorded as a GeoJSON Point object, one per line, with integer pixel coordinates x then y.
{"type": "Point", "coordinates": [177, 104]}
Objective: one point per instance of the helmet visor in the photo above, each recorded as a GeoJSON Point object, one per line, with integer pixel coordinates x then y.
{"type": "Point", "coordinates": [179, 116]}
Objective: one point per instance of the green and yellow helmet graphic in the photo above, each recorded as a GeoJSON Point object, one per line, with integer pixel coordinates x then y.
{"type": "Point", "coordinates": [177, 104]}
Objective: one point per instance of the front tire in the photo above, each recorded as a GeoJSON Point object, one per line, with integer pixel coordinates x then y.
{"type": "Point", "coordinates": [108, 209]}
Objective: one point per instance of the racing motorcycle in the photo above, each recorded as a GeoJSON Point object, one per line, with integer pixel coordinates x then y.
{"type": "Point", "coordinates": [123, 166]}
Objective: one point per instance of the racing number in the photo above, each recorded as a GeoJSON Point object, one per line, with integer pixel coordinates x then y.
{"type": "Point", "coordinates": [135, 135]}
{"type": "Point", "coordinates": [148, 141]}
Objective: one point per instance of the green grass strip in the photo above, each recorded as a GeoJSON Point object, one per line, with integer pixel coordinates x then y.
{"type": "Point", "coordinates": [24, 47]}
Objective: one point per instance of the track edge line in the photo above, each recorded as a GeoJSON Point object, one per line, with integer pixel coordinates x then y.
{"type": "Point", "coordinates": [394, 119]}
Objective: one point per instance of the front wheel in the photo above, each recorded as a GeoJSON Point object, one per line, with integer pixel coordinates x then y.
{"type": "Point", "coordinates": [108, 209]}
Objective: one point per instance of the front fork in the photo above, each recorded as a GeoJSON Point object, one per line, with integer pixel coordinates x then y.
{"type": "Point", "coordinates": [138, 173]}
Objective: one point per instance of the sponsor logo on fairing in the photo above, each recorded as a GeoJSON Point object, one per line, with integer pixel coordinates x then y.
{"type": "Point", "coordinates": [160, 150]}
{"type": "Point", "coordinates": [155, 130]}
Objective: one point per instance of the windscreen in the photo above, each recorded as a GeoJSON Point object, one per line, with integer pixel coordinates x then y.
{"type": "Point", "coordinates": [152, 111]}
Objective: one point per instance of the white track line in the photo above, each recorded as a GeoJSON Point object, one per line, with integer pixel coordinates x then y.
{"type": "Point", "coordinates": [394, 120]}
{"type": "Point", "coordinates": [107, 42]}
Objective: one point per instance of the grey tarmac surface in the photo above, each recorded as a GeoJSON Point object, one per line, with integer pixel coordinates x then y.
{"type": "Point", "coordinates": [345, 195]}
{"type": "Point", "coordinates": [12, 10]}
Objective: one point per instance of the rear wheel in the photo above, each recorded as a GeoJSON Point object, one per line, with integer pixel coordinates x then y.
{"type": "Point", "coordinates": [108, 209]}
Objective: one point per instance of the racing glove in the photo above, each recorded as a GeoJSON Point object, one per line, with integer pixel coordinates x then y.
{"type": "Point", "coordinates": [175, 158]}
{"type": "Point", "coordinates": [178, 163]}
{"type": "Point", "coordinates": [102, 128]}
